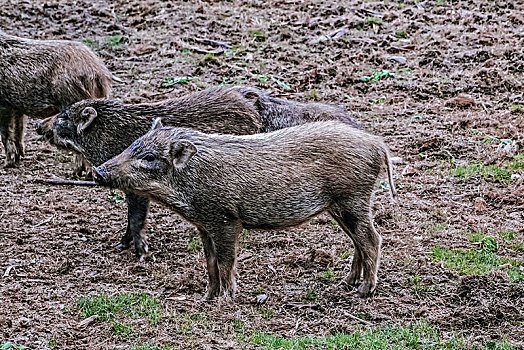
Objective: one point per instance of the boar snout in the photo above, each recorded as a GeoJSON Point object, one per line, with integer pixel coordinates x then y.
{"type": "Point", "coordinates": [44, 128]}
{"type": "Point", "coordinates": [100, 175]}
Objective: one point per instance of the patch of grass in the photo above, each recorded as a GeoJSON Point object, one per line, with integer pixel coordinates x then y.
{"type": "Point", "coordinates": [476, 261]}
{"type": "Point", "coordinates": [494, 173]}
{"type": "Point", "coordinates": [150, 347]}
{"type": "Point", "coordinates": [117, 196]}
{"type": "Point", "coordinates": [170, 81]}
{"type": "Point", "coordinates": [417, 335]}
{"type": "Point", "coordinates": [489, 138]}
{"type": "Point", "coordinates": [234, 80]}
{"type": "Point", "coordinates": [198, 316]}
{"type": "Point", "coordinates": [376, 76]}
{"type": "Point", "coordinates": [439, 226]}
{"type": "Point", "coordinates": [10, 345]}
{"type": "Point", "coordinates": [258, 291]}
{"type": "Point", "coordinates": [327, 275]}
{"type": "Point", "coordinates": [372, 19]}
{"type": "Point", "coordinates": [238, 326]}
{"type": "Point", "coordinates": [195, 244]}
{"type": "Point", "coordinates": [310, 295]}
{"type": "Point", "coordinates": [400, 34]}
{"type": "Point", "coordinates": [90, 43]}
{"type": "Point", "coordinates": [416, 285]}
{"type": "Point", "coordinates": [209, 56]}
{"type": "Point", "coordinates": [52, 341]}
{"type": "Point", "coordinates": [345, 254]}
{"type": "Point", "coordinates": [377, 100]}
{"type": "Point", "coordinates": [114, 40]}
{"type": "Point", "coordinates": [124, 330]}
{"type": "Point", "coordinates": [518, 246]}
{"type": "Point", "coordinates": [508, 235]}
{"type": "Point", "coordinates": [517, 108]}
{"type": "Point", "coordinates": [266, 78]}
{"type": "Point", "coordinates": [130, 304]}
{"type": "Point", "coordinates": [332, 221]}
{"type": "Point", "coordinates": [258, 34]}
{"type": "Point", "coordinates": [265, 313]}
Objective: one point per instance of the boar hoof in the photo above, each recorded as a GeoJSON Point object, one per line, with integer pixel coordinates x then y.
{"type": "Point", "coordinates": [353, 279]}
{"type": "Point", "coordinates": [121, 246]}
{"type": "Point", "coordinates": [365, 290]}
{"type": "Point", "coordinates": [11, 162]}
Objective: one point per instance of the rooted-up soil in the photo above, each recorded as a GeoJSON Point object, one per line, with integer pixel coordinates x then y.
{"type": "Point", "coordinates": [458, 69]}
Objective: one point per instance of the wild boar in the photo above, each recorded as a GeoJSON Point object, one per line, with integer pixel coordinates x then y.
{"type": "Point", "coordinates": [224, 183]}
{"type": "Point", "coordinates": [102, 128]}
{"type": "Point", "coordinates": [38, 78]}
{"type": "Point", "coordinates": [278, 113]}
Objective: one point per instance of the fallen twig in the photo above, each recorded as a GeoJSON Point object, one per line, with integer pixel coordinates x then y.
{"type": "Point", "coordinates": [367, 323]}
{"type": "Point", "coordinates": [66, 182]}
{"type": "Point", "coordinates": [212, 42]}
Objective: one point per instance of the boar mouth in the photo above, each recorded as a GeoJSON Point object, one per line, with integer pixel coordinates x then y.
{"type": "Point", "coordinates": [100, 175]}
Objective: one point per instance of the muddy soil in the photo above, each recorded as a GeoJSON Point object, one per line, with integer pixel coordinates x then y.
{"type": "Point", "coordinates": [454, 91]}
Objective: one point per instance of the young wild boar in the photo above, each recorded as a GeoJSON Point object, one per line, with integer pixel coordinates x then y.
{"type": "Point", "coordinates": [102, 128]}
{"type": "Point", "coordinates": [223, 183]}
{"type": "Point", "coordinates": [40, 77]}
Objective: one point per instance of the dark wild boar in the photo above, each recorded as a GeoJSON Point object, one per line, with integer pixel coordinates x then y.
{"type": "Point", "coordinates": [38, 78]}
{"type": "Point", "coordinates": [278, 113]}
{"type": "Point", "coordinates": [102, 128]}
{"type": "Point", "coordinates": [223, 183]}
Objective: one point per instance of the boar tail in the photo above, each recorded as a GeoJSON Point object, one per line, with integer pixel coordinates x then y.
{"type": "Point", "coordinates": [389, 170]}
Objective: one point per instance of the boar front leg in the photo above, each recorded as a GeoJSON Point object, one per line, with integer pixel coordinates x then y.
{"type": "Point", "coordinates": [12, 129]}
{"type": "Point", "coordinates": [220, 244]}
{"type": "Point", "coordinates": [137, 208]}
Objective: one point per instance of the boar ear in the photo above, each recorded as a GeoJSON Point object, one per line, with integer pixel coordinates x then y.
{"type": "Point", "coordinates": [88, 114]}
{"type": "Point", "coordinates": [157, 123]}
{"type": "Point", "coordinates": [182, 151]}
{"type": "Point", "coordinates": [252, 95]}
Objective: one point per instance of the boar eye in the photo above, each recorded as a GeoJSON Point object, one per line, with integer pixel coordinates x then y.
{"type": "Point", "coordinates": [149, 157]}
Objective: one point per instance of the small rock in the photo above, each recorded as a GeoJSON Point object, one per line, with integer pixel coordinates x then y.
{"type": "Point", "coordinates": [460, 101]}
{"type": "Point", "coordinates": [420, 311]}
{"type": "Point", "coordinates": [515, 177]}
{"type": "Point", "coordinates": [396, 160]}
{"type": "Point", "coordinates": [409, 170]}
{"type": "Point", "coordinates": [24, 322]}
{"type": "Point", "coordinates": [480, 204]}
{"type": "Point", "coordinates": [505, 266]}
{"type": "Point", "coordinates": [261, 299]}
{"type": "Point", "coordinates": [395, 58]}
{"type": "Point", "coordinates": [87, 321]}
{"type": "Point", "coordinates": [142, 49]}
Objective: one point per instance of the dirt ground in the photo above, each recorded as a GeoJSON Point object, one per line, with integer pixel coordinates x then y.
{"type": "Point", "coordinates": [458, 69]}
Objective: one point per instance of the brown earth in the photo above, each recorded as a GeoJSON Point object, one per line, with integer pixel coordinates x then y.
{"type": "Point", "coordinates": [458, 77]}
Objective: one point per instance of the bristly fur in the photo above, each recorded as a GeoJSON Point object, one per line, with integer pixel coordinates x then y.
{"type": "Point", "coordinates": [223, 183]}
{"type": "Point", "coordinates": [38, 78]}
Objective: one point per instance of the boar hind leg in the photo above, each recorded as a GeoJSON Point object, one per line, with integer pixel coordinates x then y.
{"type": "Point", "coordinates": [12, 129]}
{"type": "Point", "coordinates": [220, 249]}
{"type": "Point", "coordinates": [349, 226]}
{"type": "Point", "coordinates": [137, 208]}
{"type": "Point", "coordinates": [359, 226]}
